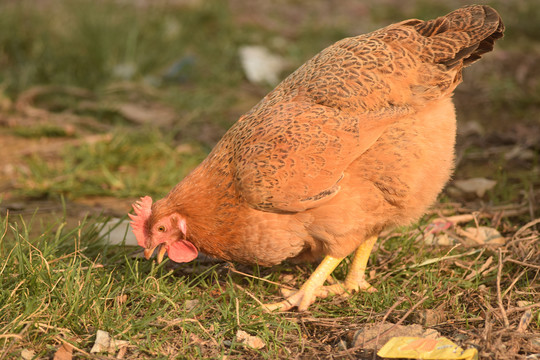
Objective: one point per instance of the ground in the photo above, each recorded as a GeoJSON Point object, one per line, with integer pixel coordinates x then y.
{"type": "Point", "coordinates": [114, 100]}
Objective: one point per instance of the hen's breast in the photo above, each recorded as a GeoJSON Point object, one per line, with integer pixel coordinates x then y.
{"type": "Point", "coordinates": [393, 182]}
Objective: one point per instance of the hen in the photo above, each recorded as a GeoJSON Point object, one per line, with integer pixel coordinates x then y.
{"type": "Point", "coordinates": [358, 139]}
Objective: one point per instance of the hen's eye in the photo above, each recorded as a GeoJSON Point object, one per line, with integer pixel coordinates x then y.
{"type": "Point", "coordinates": [161, 228]}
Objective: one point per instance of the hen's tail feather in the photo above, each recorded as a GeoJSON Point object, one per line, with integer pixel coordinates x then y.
{"type": "Point", "coordinates": [463, 36]}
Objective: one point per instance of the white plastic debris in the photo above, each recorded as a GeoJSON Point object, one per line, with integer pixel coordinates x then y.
{"type": "Point", "coordinates": [115, 230]}
{"type": "Point", "coordinates": [260, 65]}
{"type": "Point", "coordinates": [477, 186]}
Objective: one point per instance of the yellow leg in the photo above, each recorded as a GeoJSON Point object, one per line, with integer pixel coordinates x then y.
{"type": "Point", "coordinates": [307, 293]}
{"type": "Point", "coordinates": [355, 279]}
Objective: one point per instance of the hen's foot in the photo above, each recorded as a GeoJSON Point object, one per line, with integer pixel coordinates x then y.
{"type": "Point", "coordinates": [302, 299]}
{"type": "Point", "coordinates": [313, 288]}
{"type": "Point", "coordinates": [308, 292]}
{"type": "Point", "coordinates": [345, 289]}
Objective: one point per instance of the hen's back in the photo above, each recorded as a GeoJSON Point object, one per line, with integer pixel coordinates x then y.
{"type": "Point", "coordinates": [291, 149]}
{"type": "Point", "coordinates": [397, 66]}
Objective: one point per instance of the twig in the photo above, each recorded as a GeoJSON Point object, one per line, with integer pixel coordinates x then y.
{"type": "Point", "coordinates": [499, 296]}
{"type": "Point", "coordinates": [524, 308]}
{"type": "Point", "coordinates": [260, 278]}
{"type": "Point", "coordinates": [179, 321]}
{"type": "Point", "coordinates": [525, 227]}
{"type": "Point", "coordinates": [522, 263]}
{"type": "Point", "coordinates": [16, 338]}
{"type": "Point", "coordinates": [73, 346]}
{"type": "Point", "coordinates": [456, 219]}
{"type": "Point", "coordinates": [439, 259]}
{"type": "Point", "coordinates": [237, 312]}
{"type": "Point", "coordinates": [481, 270]}
{"type": "Point", "coordinates": [513, 283]}
{"type": "Point", "coordinates": [396, 304]}
{"type": "Point", "coordinates": [251, 296]}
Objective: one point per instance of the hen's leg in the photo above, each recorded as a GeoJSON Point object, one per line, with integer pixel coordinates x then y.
{"type": "Point", "coordinates": [308, 292]}
{"type": "Point", "coordinates": [355, 279]}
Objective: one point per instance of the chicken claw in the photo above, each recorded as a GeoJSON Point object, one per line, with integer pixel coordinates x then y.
{"type": "Point", "coordinates": [308, 292]}
{"type": "Point", "coordinates": [312, 288]}
{"type": "Point", "coordinates": [355, 280]}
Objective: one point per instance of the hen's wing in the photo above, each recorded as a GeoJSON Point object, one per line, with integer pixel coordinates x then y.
{"type": "Point", "coordinates": [291, 150]}
{"type": "Point", "coordinates": [297, 162]}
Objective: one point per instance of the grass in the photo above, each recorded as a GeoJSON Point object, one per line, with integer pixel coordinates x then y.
{"type": "Point", "coordinates": [61, 282]}
{"type": "Point", "coordinates": [113, 168]}
{"type": "Point", "coordinates": [66, 284]}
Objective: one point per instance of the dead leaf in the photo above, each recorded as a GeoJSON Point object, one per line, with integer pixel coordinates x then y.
{"type": "Point", "coordinates": [27, 354]}
{"type": "Point", "coordinates": [430, 317]}
{"type": "Point", "coordinates": [481, 236]}
{"type": "Point", "coordinates": [191, 304]}
{"type": "Point", "coordinates": [104, 343]}
{"type": "Point", "coordinates": [524, 321]}
{"type": "Point", "coordinates": [121, 299]}
{"type": "Point", "coordinates": [64, 352]}
{"type": "Point", "coordinates": [254, 342]}
{"type": "Point", "coordinates": [477, 186]}
{"type": "Point", "coordinates": [376, 335]}
{"type": "Point", "coordinates": [438, 239]}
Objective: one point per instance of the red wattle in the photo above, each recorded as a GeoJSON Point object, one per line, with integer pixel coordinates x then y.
{"type": "Point", "coordinates": [182, 251]}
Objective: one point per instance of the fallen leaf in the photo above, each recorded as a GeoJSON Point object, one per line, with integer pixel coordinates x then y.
{"type": "Point", "coordinates": [430, 317]}
{"type": "Point", "coordinates": [104, 343]}
{"type": "Point", "coordinates": [64, 352]}
{"type": "Point", "coordinates": [481, 236]}
{"type": "Point", "coordinates": [251, 341]}
{"type": "Point", "coordinates": [438, 239]}
{"type": "Point", "coordinates": [477, 186]}
{"type": "Point", "coordinates": [191, 304]}
{"type": "Point", "coordinates": [121, 299]}
{"type": "Point", "coordinates": [524, 321]}
{"type": "Point", "coordinates": [27, 354]}
{"type": "Point", "coordinates": [375, 335]}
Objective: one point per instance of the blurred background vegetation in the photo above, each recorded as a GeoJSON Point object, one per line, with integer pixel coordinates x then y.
{"type": "Point", "coordinates": [104, 101]}
{"type": "Point", "coordinates": [158, 74]}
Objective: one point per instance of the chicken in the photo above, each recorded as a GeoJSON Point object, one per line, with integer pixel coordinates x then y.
{"type": "Point", "coordinates": [358, 139]}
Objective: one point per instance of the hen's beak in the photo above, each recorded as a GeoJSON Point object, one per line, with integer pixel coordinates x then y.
{"type": "Point", "coordinates": [161, 252]}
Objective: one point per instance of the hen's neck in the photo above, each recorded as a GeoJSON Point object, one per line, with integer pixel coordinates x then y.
{"type": "Point", "coordinates": [208, 201]}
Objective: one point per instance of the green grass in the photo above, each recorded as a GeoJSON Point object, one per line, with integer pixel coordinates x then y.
{"type": "Point", "coordinates": [130, 164]}
{"type": "Point", "coordinates": [65, 284]}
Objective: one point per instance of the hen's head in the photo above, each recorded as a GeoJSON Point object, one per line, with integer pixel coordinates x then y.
{"type": "Point", "coordinates": [166, 232]}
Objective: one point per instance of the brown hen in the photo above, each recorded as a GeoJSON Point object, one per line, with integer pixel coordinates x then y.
{"type": "Point", "coordinates": [358, 139]}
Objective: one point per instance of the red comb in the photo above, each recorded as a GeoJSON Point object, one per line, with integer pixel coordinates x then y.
{"type": "Point", "coordinates": [143, 209]}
